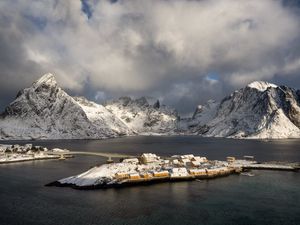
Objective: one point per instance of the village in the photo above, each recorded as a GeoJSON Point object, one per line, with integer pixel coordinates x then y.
{"type": "Point", "coordinates": [177, 167]}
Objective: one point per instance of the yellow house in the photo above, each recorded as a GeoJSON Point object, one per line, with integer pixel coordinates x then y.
{"type": "Point", "coordinates": [122, 175]}
{"type": "Point", "coordinates": [164, 173]}
{"type": "Point", "coordinates": [146, 175]}
{"type": "Point", "coordinates": [134, 176]}
{"type": "Point", "coordinates": [198, 172]}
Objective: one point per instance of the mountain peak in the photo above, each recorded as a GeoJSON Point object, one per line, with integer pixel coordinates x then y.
{"type": "Point", "coordinates": [261, 85]}
{"type": "Point", "coordinates": [47, 79]}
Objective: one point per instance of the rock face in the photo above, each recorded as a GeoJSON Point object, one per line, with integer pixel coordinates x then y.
{"type": "Point", "coordinates": [144, 115]}
{"type": "Point", "coordinates": [260, 110]}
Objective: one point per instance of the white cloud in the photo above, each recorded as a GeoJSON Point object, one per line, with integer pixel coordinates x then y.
{"type": "Point", "coordinates": [140, 45]}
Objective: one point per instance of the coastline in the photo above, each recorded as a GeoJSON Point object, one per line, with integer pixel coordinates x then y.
{"type": "Point", "coordinates": [52, 157]}
{"type": "Point", "coordinates": [145, 182]}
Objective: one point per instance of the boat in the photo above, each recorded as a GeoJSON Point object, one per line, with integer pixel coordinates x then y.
{"type": "Point", "coordinates": [198, 180]}
{"type": "Point", "coordinates": [249, 174]}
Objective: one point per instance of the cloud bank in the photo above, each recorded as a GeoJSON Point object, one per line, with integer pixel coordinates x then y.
{"type": "Point", "coordinates": [181, 51]}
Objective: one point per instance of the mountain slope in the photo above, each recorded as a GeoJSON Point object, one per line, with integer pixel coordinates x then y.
{"type": "Point", "coordinates": [144, 115]}
{"type": "Point", "coordinates": [260, 110]}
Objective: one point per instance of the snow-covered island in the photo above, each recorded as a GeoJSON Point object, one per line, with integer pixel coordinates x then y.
{"type": "Point", "coordinates": [28, 152]}
{"type": "Point", "coordinates": [151, 168]}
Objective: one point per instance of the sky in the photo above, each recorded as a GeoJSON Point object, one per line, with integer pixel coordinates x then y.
{"type": "Point", "coordinates": [183, 52]}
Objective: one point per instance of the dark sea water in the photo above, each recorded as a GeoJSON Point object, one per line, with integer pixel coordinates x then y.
{"type": "Point", "coordinates": [270, 197]}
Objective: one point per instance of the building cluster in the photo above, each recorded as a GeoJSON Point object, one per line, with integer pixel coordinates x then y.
{"type": "Point", "coordinates": [27, 148]}
{"type": "Point", "coordinates": [14, 153]}
{"type": "Point", "coordinates": [150, 166]}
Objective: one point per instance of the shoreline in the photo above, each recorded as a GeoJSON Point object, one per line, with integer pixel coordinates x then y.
{"type": "Point", "coordinates": [191, 175]}
{"type": "Point", "coordinates": [145, 182]}
{"type": "Point", "coordinates": [34, 159]}
{"type": "Point", "coordinates": [4, 141]}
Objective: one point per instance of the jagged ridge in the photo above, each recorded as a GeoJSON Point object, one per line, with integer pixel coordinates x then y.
{"type": "Point", "coordinates": [45, 111]}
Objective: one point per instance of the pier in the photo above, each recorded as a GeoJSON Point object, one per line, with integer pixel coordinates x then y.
{"type": "Point", "coordinates": [271, 166]}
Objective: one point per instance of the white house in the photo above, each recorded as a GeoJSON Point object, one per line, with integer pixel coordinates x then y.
{"type": "Point", "coordinates": [149, 158]}
{"type": "Point", "coordinates": [132, 160]}
{"type": "Point", "coordinates": [179, 172]}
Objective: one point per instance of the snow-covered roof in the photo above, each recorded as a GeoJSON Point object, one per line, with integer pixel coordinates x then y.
{"type": "Point", "coordinates": [180, 169]}
{"type": "Point", "coordinates": [197, 170]}
{"type": "Point", "coordinates": [185, 160]}
{"type": "Point", "coordinates": [149, 155]}
{"type": "Point", "coordinates": [133, 160]}
{"type": "Point", "coordinates": [189, 156]}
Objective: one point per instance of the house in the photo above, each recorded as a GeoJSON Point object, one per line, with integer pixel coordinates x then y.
{"type": "Point", "coordinates": [163, 173]}
{"type": "Point", "coordinates": [149, 158]}
{"type": "Point", "coordinates": [195, 163]}
{"type": "Point", "coordinates": [179, 172]}
{"type": "Point", "coordinates": [121, 176]}
{"type": "Point", "coordinates": [213, 171]}
{"type": "Point", "coordinates": [198, 172]}
{"type": "Point", "coordinates": [176, 161]}
{"type": "Point", "coordinates": [230, 159]}
{"type": "Point", "coordinates": [134, 176]}
{"type": "Point", "coordinates": [131, 160]}
{"type": "Point", "coordinates": [199, 159]}
{"type": "Point", "coordinates": [185, 161]}
{"type": "Point", "coordinates": [146, 175]}
{"type": "Point", "coordinates": [166, 161]}
{"type": "Point", "coordinates": [190, 156]}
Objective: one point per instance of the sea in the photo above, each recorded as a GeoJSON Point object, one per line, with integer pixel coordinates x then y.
{"type": "Point", "coordinates": [268, 198]}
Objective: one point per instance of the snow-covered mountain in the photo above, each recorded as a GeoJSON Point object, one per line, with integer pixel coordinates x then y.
{"type": "Point", "coordinates": [260, 110]}
{"type": "Point", "coordinates": [45, 111]}
{"type": "Point", "coordinates": [144, 115]}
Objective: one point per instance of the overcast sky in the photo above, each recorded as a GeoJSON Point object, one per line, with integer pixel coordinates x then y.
{"type": "Point", "coordinates": [183, 52]}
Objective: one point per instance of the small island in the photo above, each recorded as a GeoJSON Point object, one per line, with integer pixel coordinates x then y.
{"type": "Point", "coordinates": [28, 152]}
{"type": "Point", "coordinates": [150, 168]}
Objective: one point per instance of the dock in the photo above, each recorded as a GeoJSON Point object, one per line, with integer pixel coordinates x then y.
{"type": "Point", "coordinates": [271, 166]}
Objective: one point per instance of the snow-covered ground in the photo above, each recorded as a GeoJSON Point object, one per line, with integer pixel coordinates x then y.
{"type": "Point", "coordinates": [8, 158]}
{"type": "Point", "coordinates": [17, 153]}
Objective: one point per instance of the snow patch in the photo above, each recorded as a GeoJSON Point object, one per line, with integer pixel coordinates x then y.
{"type": "Point", "coordinates": [261, 85]}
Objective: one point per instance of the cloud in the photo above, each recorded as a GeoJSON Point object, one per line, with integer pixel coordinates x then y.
{"type": "Point", "coordinates": [139, 47]}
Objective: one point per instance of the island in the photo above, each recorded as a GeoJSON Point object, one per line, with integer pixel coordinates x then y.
{"type": "Point", "coordinates": [150, 168]}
